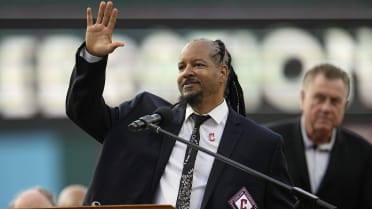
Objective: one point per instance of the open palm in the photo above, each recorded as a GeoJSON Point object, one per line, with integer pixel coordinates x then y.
{"type": "Point", "coordinates": [99, 35]}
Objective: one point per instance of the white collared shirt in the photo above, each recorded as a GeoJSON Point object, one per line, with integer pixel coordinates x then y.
{"type": "Point", "coordinates": [210, 137]}
{"type": "Point", "coordinates": [317, 157]}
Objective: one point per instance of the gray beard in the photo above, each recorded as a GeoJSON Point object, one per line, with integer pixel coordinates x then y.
{"type": "Point", "coordinates": [191, 99]}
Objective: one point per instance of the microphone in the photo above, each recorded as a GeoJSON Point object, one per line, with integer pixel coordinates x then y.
{"type": "Point", "coordinates": [161, 115]}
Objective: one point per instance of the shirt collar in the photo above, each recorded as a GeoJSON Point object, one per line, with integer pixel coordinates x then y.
{"type": "Point", "coordinates": [217, 114]}
{"type": "Point", "coordinates": [309, 144]}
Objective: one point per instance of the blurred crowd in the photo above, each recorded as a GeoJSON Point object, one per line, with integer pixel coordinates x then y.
{"type": "Point", "coordinates": [40, 197]}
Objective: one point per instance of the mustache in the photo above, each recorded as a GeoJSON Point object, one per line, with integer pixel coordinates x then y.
{"type": "Point", "coordinates": [190, 81]}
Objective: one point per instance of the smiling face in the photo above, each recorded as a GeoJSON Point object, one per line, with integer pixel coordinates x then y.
{"type": "Point", "coordinates": [323, 104]}
{"type": "Point", "coordinates": [201, 81]}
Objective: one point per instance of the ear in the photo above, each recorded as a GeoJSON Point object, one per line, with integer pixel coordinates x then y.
{"type": "Point", "coordinates": [302, 99]}
{"type": "Point", "coordinates": [346, 104]}
{"type": "Point", "coordinates": [224, 72]}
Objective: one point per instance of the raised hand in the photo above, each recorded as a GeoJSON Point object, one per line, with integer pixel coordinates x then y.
{"type": "Point", "coordinates": [98, 36]}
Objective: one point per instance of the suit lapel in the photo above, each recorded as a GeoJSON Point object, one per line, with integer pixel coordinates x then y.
{"type": "Point", "coordinates": [228, 142]}
{"type": "Point", "coordinates": [299, 159]}
{"type": "Point", "coordinates": [168, 143]}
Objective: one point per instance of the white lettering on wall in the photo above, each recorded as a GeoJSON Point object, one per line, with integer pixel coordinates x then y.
{"type": "Point", "coordinates": [270, 63]}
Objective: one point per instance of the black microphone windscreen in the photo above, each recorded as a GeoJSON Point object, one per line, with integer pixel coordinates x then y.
{"type": "Point", "coordinates": [166, 114]}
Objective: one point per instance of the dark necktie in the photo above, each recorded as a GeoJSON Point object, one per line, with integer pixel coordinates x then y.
{"type": "Point", "coordinates": [184, 192]}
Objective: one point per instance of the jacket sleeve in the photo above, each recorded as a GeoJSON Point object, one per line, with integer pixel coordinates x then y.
{"type": "Point", "coordinates": [85, 105]}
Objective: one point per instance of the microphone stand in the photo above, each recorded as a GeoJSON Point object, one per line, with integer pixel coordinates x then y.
{"type": "Point", "coordinates": [309, 198]}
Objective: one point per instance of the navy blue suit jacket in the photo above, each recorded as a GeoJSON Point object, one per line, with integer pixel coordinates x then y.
{"type": "Point", "coordinates": [347, 182]}
{"type": "Point", "coordinates": [131, 164]}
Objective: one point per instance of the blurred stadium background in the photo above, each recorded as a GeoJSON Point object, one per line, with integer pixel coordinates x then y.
{"type": "Point", "coordinates": [272, 44]}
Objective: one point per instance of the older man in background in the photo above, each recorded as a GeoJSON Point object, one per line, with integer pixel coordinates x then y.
{"type": "Point", "coordinates": [323, 157]}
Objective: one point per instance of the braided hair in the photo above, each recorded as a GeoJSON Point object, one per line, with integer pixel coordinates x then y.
{"type": "Point", "coordinates": [233, 91]}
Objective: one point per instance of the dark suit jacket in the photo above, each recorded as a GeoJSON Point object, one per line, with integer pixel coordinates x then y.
{"type": "Point", "coordinates": [131, 164]}
{"type": "Point", "coordinates": [347, 182]}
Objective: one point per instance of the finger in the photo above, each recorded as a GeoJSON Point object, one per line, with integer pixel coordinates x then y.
{"type": "Point", "coordinates": [112, 22]}
{"type": "Point", "coordinates": [101, 10]}
{"type": "Point", "coordinates": [89, 17]}
{"type": "Point", "coordinates": [107, 14]}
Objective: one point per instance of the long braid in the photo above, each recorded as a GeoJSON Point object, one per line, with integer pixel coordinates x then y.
{"type": "Point", "coordinates": [233, 91]}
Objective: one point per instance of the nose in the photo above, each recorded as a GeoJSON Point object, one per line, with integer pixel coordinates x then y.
{"type": "Point", "coordinates": [326, 105]}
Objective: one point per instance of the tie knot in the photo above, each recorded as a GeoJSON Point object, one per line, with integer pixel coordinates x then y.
{"type": "Point", "coordinates": [199, 119]}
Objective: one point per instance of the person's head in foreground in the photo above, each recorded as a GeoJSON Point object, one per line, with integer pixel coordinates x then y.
{"type": "Point", "coordinates": [36, 197]}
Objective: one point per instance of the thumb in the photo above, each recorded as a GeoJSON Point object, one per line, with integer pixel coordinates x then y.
{"type": "Point", "coordinates": [115, 45]}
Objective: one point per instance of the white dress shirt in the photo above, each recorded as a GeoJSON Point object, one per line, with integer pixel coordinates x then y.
{"type": "Point", "coordinates": [210, 137]}
{"type": "Point", "coordinates": [317, 158]}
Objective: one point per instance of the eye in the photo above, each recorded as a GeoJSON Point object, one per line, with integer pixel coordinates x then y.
{"type": "Point", "coordinates": [336, 101]}
{"type": "Point", "coordinates": [181, 68]}
{"type": "Point", "coordinates": [199, 65]}
{"type": "Point", "coordinates": [319, 98]}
